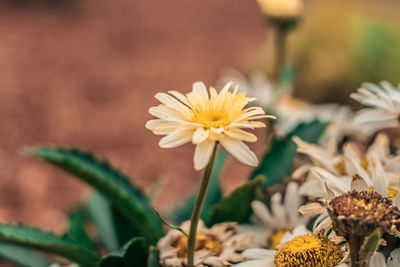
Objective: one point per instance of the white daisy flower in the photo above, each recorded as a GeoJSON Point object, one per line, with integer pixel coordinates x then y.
{"type": "Point", "coordinates": [219, 245]}
{"type": "Point", "coordinates": [306, 249]}
{"type": "Point", "coordinates": [383, 103]}
{"type": "Point", "coordinates": [269, 227]}
{"type": "Point", "coordinates": [204, 118]}
{"type": "Point", "coordinates": [378, 167]}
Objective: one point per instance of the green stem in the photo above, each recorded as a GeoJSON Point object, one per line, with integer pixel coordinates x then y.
{"type": "Point", "coordinates": [281, 32]}
{"type": "Point", "coordinates": [194, 221]}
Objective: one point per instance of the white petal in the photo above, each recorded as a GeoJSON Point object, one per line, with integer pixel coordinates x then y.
{"type": "Point", "coordinates": [396, 201]}
{"type": "Point", "coordinates": [240, 151]}
{"type": "Point", "coordinates": [173, 103]}
{"type": "Point", "coordinates": [292, 203]}
{"type": "Point", "coordinates": [277, 209]}
{"type": "Point", "coordinates": [176, 138]}
{"type": "Point", "coordinates": [201, 89]}
{"type": "Point", "coordinates": [394, 259]}
{"type": "Point", "coordinates": [239, 134]}
{"type": "Point", "coordinates": [268, 262]}
{"type": "Point", "coordinates": [263, 214]}
{"type": "Point", "coordinates": [203, 153]}
{"type": "Point", "coordinates": [311, 208]}
{"type": "Point", "coordinates": [258, 253]}
{"type": "Point", "coordinates": [200, 135]}
{"type": "Point", "coordinates": [358, 183]}
{"type": "Point", "coordinates": [377, 260]}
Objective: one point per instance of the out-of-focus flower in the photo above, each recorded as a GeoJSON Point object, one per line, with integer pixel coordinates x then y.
{"type": "Point", "coordinates": [301, 250]}
{"type": "Point", "coordinates": [378, 167]}
{"type": "Point", "coordinates": [383, 102]}
{"type": "Point", "coordinates": [378, 259]}
{"type": "Point", "coordinates": [256, 85]}
{"type": "Point", "coordinates": [219, 245]}
{"type": "Point", "coordinates": [206, 118]}
{"type": "Point", "coordinates": [281, 9]}
{"type": "Point", "coordinates": [268, 228]}
{"type": "Point", "coordinates": [290, 110]}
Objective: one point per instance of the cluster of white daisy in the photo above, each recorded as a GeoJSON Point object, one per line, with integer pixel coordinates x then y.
{"type": "Point", "coordinates": [346, 184]}
{"type": "Point", "coordinates": [341, 204]}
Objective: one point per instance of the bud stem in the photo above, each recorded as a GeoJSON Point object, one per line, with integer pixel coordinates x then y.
{"type": "Point", "coordinates": [194, 221]}
{"type": "Point", "coordinates": [281, 32]}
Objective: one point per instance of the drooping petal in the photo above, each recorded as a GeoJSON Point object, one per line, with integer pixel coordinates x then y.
{"type": "Point", "coordinates": [240, 151]}
{"type": "Point", "coordinates": [200, 135]}
{"type": "Point", "coordinates": [239, 134]}
{"type": "Point", "coordinates": [202, 154]}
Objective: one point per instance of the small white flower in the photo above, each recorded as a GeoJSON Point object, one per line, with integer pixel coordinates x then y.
{"type": "Point", "coordinates": [383, 104]}
{"type": "Point", "coordinates": [270, 227]}
{"type": "Point", "coordinates": [216, 246]}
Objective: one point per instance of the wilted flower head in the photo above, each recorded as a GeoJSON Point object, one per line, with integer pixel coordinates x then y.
{"type": "Point", "coordinates": [383, 103]}
{"type": "Point", "coordinates": [281, 9]}
{"type": "Point", "coordinates": [205, 118]}
{"type": "Point", "coordinates": [362, 212]}
{"type": "Point", "coordinates": [219, 245]}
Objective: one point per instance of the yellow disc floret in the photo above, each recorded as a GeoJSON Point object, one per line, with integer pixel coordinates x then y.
{"type": "Point", "coordinates": [275, 238]}
{"type": "Point", "coordinates": [211, 118]}
{"type": "Point", "coordinates": [308, 250]}
{"type": "Point", "coordinates": [203, 242]}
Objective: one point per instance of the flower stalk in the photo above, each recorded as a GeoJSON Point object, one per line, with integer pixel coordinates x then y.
{"type": "Point", "coordinates": [355, 243]}
{"type": "Point", "coordinates": [194, 221]}
{"type": "Point", "coordinates": [280, 31]}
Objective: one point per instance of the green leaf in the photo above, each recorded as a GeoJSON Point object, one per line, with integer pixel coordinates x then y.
{"type": "Point", "coordinates": [47, 242]}
{"type": "Point", "coordinates": [111, 183]}
{"type": "Point", "coordinates": [278, 161]}
{"type": "Point", "coordinates": [135, 253]}
{"type": "Point", "coordinates": [101, 212]}
{"type": "Point", "coordinates": [22, 256]}
{"type": "Point", "coordinates": [370, 245]}
{"type": "Point", "coordinates": [235, 207]}
{"type": "Point", "coordinates": [175, 227]}
{"type": "Point", "coordinates": [154, 257]}
{"type": "Point", "coordinates": [77, 231]}
{"type": "Point", "coordinates": [214, 194]}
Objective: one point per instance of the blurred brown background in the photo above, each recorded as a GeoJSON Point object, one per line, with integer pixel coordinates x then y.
{"type": "Point", "coordinates": [85, 73]}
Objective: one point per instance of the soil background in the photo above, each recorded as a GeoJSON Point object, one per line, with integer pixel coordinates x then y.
{"type": "Point", "coordinates": [84, 73]}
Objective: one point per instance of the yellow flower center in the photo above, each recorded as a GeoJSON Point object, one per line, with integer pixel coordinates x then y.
{"type": "Point", "coordinates": [275, 238]}
{"type": "Point", "coordinates": [391, 192]}
{"type": "Point", "coordinates": [308, 250]}
{"type": "Point", "coordinates": [211, 118]}
{"type": "Point", "coordinates": [203, 242]}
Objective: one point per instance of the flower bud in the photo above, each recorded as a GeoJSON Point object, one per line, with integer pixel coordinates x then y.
{"type": "Point", "coordinates": [281, 9]}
